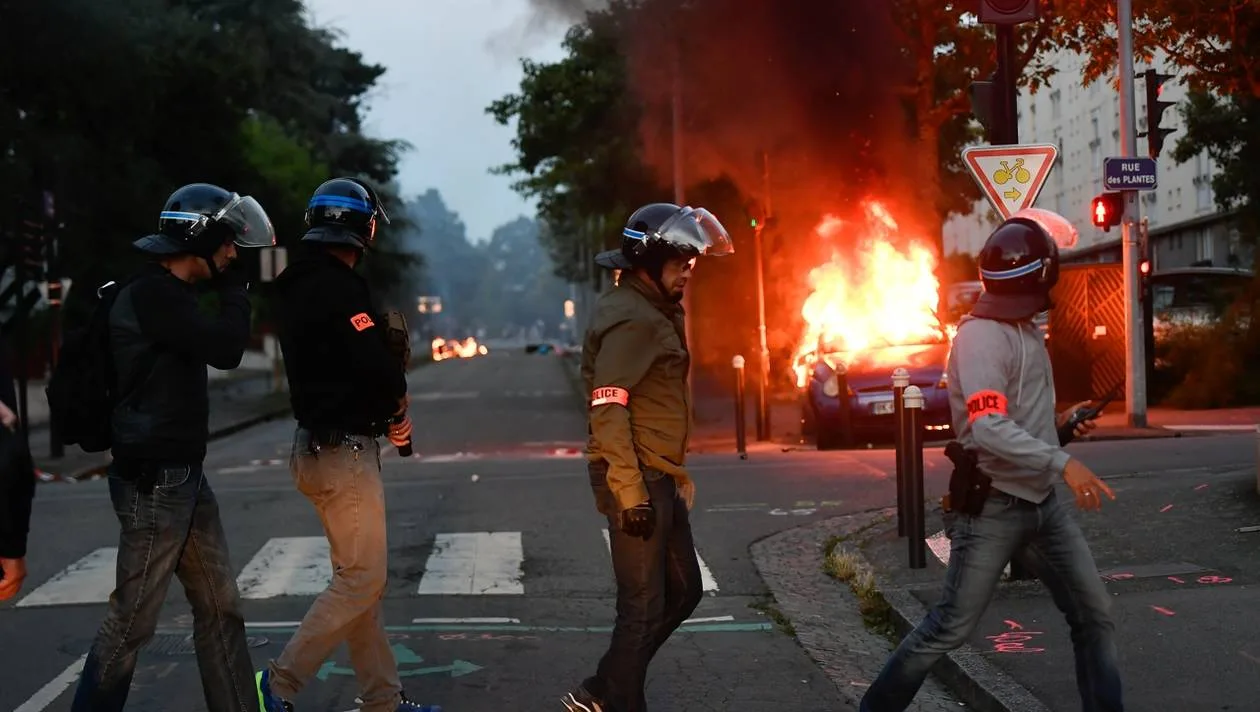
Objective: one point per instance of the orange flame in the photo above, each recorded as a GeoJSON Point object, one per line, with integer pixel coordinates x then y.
{"type": "Point", "coordinates": [468, 348]}
{"type": "Point", "coordinates": [870, 295]}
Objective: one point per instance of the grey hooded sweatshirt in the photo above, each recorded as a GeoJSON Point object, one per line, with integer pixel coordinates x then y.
{"type": "Point", "coordinates": [1001, 400]}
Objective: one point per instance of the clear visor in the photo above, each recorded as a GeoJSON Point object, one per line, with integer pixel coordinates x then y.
{"type": "Point", "coordinates": [699, 230]}
{"type": "Point", "coordinates": [1059, 228]}
{"type": "Point", "coordinates": [248, 221]}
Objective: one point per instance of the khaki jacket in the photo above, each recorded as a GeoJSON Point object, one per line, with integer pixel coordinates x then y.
{"type": "Point", "coordinates": [634, 366]}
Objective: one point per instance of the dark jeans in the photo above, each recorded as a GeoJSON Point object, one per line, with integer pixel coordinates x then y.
{"type": "Point", "coordinates": [1051, 542]}
{"type": "Point", "coordinates": [170, 526]}
{"type": "Point", "coordinates": [658, 587]}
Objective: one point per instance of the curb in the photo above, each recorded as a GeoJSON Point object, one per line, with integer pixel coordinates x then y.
{"type": "Point", "coordinates": [981, 684]}
{"type": "Point", "coordinates": [99, 469]}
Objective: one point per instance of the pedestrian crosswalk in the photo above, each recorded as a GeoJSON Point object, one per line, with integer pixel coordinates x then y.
{"type": "Point", "coordinates": [459, 564]}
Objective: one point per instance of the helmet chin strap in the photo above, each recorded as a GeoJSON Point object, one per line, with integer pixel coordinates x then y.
{"type": "Point", "coordinates": [214, 268]}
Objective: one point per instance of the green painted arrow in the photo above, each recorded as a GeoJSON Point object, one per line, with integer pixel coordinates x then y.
{"type": "Point", "coordinates": [404, 655]}
{"type": "Point", "coordinates": [458, 668]}
{"type": "Point", "coordinates": [330, 668]}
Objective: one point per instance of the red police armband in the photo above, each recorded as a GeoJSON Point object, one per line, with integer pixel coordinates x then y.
{"type": "Point", "coordinates": [983, 403]}
{"type": "Point", "coordinates": [361, 321]}
{"type": "Point", "coordinates": [609, 395]}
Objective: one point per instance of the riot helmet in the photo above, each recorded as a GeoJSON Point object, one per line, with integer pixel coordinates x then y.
{"type": "Point", "coordinates": [344, 211]}
{"type": "Point", "coordinates": [658, 232]}
{"type": "Point", "coordinates": [199, 218]}
{"type": "Point", "coordinates": [1019, 265]}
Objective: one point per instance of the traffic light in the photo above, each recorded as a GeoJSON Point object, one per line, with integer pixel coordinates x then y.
{"type": "Point", "coordinates": [1008, 12]}
{"type": "Point", "coordinates": [1144, 270]}
{"type": "Point", "coordinates": [984, 106]}
{"type": "Point", "coordinates": [1106, 210]}
{"type": "Point", "coordinates": [1155, 111]}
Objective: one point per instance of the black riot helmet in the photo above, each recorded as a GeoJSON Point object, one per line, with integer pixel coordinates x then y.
{"type": "Point", "coordinates": [199, 218]}
{"type": "Point", "coordinates": [344, 211]}
{"type": "Point", "coordinates": [658, 232]}
{"type": "Point", "coordinates": [1019, 265]}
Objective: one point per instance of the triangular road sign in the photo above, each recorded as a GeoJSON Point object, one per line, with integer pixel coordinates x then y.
{"type": "Point", "coordinates": [1011, 176]}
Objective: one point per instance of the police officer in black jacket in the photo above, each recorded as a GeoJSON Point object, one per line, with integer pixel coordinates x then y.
{"type": "Point", "coordinates": [161, 343]}
{"type": "Point", "coordinates": [17, 489]}
{"type": "Point", "coordinates": [347, 390]}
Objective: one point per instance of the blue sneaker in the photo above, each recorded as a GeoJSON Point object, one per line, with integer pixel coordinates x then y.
{"type": "Point", "coordinates": [267, 702]}
{"type": "Point", "coordinates": [408, 706]}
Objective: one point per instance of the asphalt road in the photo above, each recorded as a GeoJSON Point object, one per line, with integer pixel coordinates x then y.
{"type": "Point", "coordinates": [534, 617]}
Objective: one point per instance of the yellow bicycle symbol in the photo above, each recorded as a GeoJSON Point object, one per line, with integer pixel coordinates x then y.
{"type": "Point", "coordinates": [1006, 172]}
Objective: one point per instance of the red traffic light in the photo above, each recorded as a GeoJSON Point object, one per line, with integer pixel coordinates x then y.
{"type": "Point", "coordinates": [1106, 210]}
{"type": "Point", "coordinates": [1144, 267]}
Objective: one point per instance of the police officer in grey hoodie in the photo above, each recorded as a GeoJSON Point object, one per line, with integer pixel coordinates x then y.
{"type": "Point", "coordinates": [1001, 393]}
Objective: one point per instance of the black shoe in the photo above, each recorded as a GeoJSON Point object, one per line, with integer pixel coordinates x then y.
{"type": "Point", "coordinates": [579, 700]}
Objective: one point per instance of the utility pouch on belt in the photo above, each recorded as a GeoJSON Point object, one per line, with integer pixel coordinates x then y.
{"type": "Point", "coordinates": [968, 486]}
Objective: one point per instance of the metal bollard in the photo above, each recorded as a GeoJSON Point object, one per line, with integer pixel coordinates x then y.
{"type": "Point", "coordinates": [1258, 459]}
{"type": "Point", "coordinates": [915, 526]}
{"type": "Point", "coordinates": [900, 379]}
{"type": "Point", "coordinates": [740, 424]}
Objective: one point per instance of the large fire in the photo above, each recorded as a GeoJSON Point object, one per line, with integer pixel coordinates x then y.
{"type": "Point", "coordinates": [870, 294]}
{"type": "Point", "coordinates": [468, 348]}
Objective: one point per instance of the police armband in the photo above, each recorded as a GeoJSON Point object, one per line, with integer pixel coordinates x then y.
{"type": "Point", "coordinates": [982, 403]}
{"type": "Point", "coordinates": [610, 395]}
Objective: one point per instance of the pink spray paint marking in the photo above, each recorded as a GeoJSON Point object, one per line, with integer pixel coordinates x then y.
{"type": "Point", "coordinates": [1174, 578]}
{"type": "Point", "coordinates": [1202, 486]}
{"type": "Point", "coordinates": [1119, 577]}
{"type": "Point", "coordinates": [1165, 508]}
{"type": "Point", "coordinates": [1013, 642]}
{"type": "Point", "coordinates": [1013, 625]}
{"type": "Point", "coordinates": [1165, 611]}
{"type": "Point", "coordinates": [1214, 579]}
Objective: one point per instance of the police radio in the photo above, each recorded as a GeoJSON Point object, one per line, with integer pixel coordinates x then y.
{"type": "Point", "coordinates": [1067, 433]}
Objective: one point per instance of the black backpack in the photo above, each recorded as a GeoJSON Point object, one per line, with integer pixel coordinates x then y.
{"type": "Point", "coordinates": [82, 390]}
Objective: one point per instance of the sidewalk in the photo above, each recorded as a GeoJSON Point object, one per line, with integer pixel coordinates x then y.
{"type": "Point", "coordinates": [236, 403]}
{"type": "Point", "coordinates": [1180, 557]}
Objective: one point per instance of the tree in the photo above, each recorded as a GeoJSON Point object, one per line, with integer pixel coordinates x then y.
{"type": "Point", "coordinates": [577, 144]}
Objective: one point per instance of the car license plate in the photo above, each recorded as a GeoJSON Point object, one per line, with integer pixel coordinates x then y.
{"type": "Point", "coordinates": [882, 407]}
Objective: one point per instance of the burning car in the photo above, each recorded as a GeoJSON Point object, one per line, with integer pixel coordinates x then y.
{"type": "Point", "coordinates": [867, 401]}
{"type": "Point", "coordinates": [872, 308]}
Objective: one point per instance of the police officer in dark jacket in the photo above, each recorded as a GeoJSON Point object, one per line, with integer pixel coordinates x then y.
{"type": "Point", "coordinates": [17, 489]}
{"type": "Point", "coordinates": [347, 390]}
{"type": "Point", "coordinates": [634, 364]}
{"type": "Point", "coordinates": [170, 521]}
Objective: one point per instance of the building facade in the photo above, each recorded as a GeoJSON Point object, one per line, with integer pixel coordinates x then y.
{"type": "Point", "coordinates": [1185, 226]}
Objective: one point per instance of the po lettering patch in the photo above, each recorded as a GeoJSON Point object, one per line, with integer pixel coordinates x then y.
{"type": "Point", "coordinates": [609, 395]}
{"type": "Point", "coordinates": [983, 403]}
{"type": "Point", "coordinates": [361, 321]}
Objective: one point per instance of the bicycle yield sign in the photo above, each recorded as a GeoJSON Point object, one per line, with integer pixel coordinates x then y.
{"type": "Point", "coordinates": [1011, 177]}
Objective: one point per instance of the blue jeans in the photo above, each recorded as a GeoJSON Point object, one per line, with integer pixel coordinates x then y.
{"type": "Point", "coordinates": [170, 527]}
{"type": "Point", "coordinates": [1050, 541]}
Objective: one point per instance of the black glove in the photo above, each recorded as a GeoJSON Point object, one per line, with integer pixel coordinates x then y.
{"type": "Point", "coordinates": [639, 520]}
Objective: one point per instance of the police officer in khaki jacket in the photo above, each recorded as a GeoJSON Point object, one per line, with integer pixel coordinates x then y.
{"type": "Point", "coordinates": [634, 365]}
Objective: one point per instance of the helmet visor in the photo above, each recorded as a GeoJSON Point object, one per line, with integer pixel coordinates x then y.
{"type": "Point", "coordinates": [248, 222]}
{"type": "Point", "coordinates": [698, 230]}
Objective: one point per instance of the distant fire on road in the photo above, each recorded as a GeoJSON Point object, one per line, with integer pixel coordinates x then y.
{"type": "Point", "coordinates": [468, 348]}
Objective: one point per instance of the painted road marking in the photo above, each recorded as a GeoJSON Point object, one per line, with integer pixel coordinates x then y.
{"type": "Point", "coordinates": [49, 693]}
{"type": "Point", "coordinates": [287, 566]}
{"type": "Point", "coordinates": [706, 576]}
{"type": "Point", "coordinates": [476, 563]}
{"type": "Point", "coordinates": [1229, 428]}
{"type": "Point", "coordinates": [722, 627]}
{"type": "Point", "coordinates": [465, 620]}
{"type": "Point", "coordinates": [450, 395]}
{"type": "Point", "coordinates": [88, 580]}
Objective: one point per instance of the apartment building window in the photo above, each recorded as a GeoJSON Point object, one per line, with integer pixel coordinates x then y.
{"type": "Point", "coordinates": [1203, 181]}
{"type": "Point", "coordinates": [1203, 248]}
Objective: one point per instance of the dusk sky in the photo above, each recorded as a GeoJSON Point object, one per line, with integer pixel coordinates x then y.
{"type": "Point", "coordinates": [446, 60]}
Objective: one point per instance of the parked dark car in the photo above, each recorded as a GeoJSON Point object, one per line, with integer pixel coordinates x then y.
{"type": "Point", "coordinates": [869, 396]}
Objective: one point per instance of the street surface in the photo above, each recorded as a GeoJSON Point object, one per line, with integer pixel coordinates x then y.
{"type": "Point", "coordinates": [501, 592]}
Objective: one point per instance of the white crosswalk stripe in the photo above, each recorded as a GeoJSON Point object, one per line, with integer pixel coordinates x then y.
{"type": "Point", "coordinates": [474, 563]}
{"type": "Point", "coordinates": [460, 564]}
{"type": "Point", "coordinates": [88, 580]}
